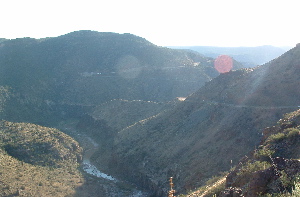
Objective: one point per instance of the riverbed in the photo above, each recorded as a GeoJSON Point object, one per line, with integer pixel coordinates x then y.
{"type": "Point", "coordinates": [90, 168]}
{"type": "Point", "coordinates": [111, 184]}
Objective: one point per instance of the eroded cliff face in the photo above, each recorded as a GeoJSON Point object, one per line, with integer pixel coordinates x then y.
{"type": "Point", "coordinates": [219, 123]}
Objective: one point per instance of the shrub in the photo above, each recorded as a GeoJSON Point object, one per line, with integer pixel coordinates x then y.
{"type": "Point", "coordinates": [249, 168]}
{"type": "Point", "coordinates": [292, 132]}
{"type": "Point", "coordinates": [276, 137]}
{"type": "Point", "coordinates": [264, 154]}
{"type": "Point", "coordinates": [294, 193]}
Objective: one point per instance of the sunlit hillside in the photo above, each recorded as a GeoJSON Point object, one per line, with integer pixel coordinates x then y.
{"type": "Point", "coordinates": [38, 161]}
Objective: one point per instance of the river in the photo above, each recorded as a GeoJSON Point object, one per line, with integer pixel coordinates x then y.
{"type": "Point", "coordinates": [89, 168]}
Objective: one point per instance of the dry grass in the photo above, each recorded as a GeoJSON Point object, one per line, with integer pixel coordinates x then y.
{"type": "Point", "coordinates": [26, 179]}
{"type": "Point", "coordinates": [213, 186]}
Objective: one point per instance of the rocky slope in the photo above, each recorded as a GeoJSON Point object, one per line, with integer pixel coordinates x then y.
{"type": "Point", "coordinates": [203, 134]}
{"type": "Point", "coordinates": [273, 169]}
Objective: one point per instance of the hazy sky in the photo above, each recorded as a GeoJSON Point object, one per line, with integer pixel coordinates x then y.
{"type": "Point", "coordinates": [162, 22]}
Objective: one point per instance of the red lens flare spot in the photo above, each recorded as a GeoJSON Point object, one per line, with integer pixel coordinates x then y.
{"type": "Point", "coordinates": [223, 63]}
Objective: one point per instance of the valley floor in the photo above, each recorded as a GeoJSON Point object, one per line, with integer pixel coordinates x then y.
{"type": "Point", "coordinates": [96, 182]}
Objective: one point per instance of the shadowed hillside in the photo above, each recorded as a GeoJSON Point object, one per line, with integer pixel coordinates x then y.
{"type": "Point", "coordinates": [123, 113]}
{"type": "Point", "coordinates": [273, 169]}
{"type": "Point", "coordinates": [219, 123]}
{"type": "Point", "coordinates": [87, 68]}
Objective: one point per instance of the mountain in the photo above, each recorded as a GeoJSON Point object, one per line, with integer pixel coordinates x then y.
{"type": "Point", "coordinates": [123, 92]}
{"type": "Point", "coordinates": [99, 83]}
{"type": "Point", "coordinates": [213, 127]}
{"type": "Point", "coordinates": [53, 76]}
{"type": "Point", "coordinates": [248, 56]}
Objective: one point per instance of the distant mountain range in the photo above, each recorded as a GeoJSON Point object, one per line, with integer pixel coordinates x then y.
{"type": "Point", "coordinates": [248, 56]}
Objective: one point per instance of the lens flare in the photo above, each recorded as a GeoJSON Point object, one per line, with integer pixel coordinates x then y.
{"type": "Point", "coordinates": [223, 63]}
{"type": "Point", "coordinates": [128, 67]}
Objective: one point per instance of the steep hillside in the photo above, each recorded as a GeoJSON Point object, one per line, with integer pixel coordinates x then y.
{"type": "Point", "coordinates": [120, 114]}
{"type": "Point", "coordinates": [273, 169]}
{"type": "Point", "coordinates": [276, 161]}
{"type": "Point", "coordinates": [4, 95]}
{"type": "Point", "coordinates": [105, 121]}
{"type": "Point", "coordinates": [37, 160]}
{"type": "Point", "coordinates": [214, 126]}
{"type": "Point", "coordinates": [86, 68]}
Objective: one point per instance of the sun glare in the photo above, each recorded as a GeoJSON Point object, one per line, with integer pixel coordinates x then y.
{"type": "Point", "coordinates": [223, 63]}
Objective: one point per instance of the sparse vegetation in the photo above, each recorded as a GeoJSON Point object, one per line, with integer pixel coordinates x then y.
{"type": "Point", "coordinates": [251, 167]}
{"type": "Point", "coordinates": [294, 193]}
{"type": "Point", "coordinates": [263, 154]}
{"type": "Point", "coordinates": [292, 132]}
{"type": "Point", "coordinates": [53, 80]}
{"type": "Point", "coordinates": [4, 95]}
{"type": "Point", "coordinates": [274, 165]}
{"type": "Point", "coordinates": [212, 187]}
{"type": "Point", "coordinates": [276, 138]}
{"type": "Point", "coordinates": [37, 160]}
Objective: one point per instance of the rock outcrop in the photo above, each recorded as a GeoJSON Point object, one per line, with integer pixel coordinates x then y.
{"type": "Point", "coordinates": [266, 171]}
{"type": "Point", "coordinates": [275, 179]}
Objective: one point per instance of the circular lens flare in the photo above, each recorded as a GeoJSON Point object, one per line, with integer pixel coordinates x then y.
{"type": "Point", "coordinates": [223, 63]}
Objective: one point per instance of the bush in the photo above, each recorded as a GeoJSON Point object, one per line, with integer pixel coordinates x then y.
{"type": "Point", "coordinates": [249, 168]}
{"type": "Point", "coordinates": [294, 193]}
{"type": "Point", "coordinates": [264, 154]}
{"type": "Point", "coordinates": [276, 137]}
{"type": "Point", "coordinates": [292, 132]}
